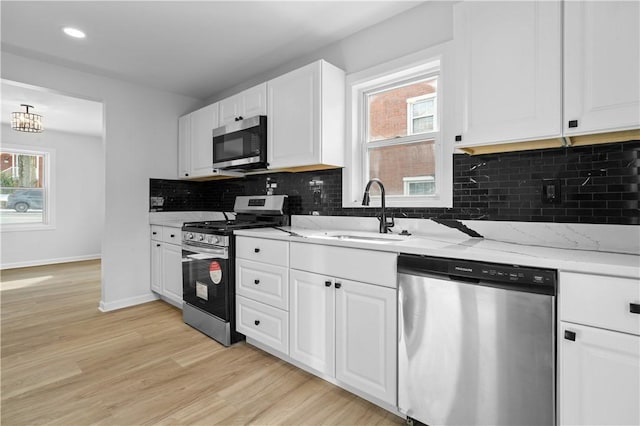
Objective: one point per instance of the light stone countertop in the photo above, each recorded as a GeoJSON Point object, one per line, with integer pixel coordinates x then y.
{"type": "Point", "coordinates": [460, 246]}
{"type": "Point", "coordinates": [177, 219]}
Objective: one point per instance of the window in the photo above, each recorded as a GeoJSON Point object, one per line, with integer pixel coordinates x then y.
{"type": "Point", "coordinates": [25, 188]}
{"type": "Point", "coordinates": [419, 185]}
{"type": "Point", "coordinates": [395, 117]}
{"type": "Point", "coordinates": [421, 114]}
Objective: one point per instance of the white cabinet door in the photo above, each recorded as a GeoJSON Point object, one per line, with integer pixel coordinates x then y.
{"type": "Point", "coordinates": [203, 121]}
{"type": "Point", "coordinates": [312, 320]}
{"type": "Point", "coordinates": [599, 377]}
{"type": "Point", "coordinates": [366, 338]}
{"type": "Point", "coordinates": [602, 66]}
{"type": "Point", "coordinates": [172, 272]}
{"type": "Point", "coordinates": [294, 118]}
{"type": "Point", "coordinates": [248, 103]}
{"type": "Point", "coordinates": [228, 110]}
{"type": "Point", "coordinates": [254, 101]}
{"type": "Point", "coordinates": [184, 146]}
{"type": "Point", "coordinates": [305, 123]}
{"type": "Point", "coordinates": [509, 71]}
{"type": "Point", "coordinates": [156, 266]}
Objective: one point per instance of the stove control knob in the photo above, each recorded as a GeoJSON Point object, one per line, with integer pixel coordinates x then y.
{"type": "Point", "coordinates": [200, 237]}
{"type": "Point", "coordinates": [215, 240]}
{"type": "Point", "coordinates": [190, 236]}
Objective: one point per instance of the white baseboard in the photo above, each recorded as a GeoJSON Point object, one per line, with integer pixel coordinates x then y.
{"type": "Point", "coordinates": [40, 262]}
{"type": "Point", "coordinates": [125, 303]}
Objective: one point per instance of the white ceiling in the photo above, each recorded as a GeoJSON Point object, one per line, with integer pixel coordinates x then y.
{"type": "Point", "coordinates": [196, 48]}
{"type": "Point", "coordinates": [59, 112]}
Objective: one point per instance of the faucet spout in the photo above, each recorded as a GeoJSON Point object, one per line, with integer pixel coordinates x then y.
{"type": "Point", "coordinates": [384, 225]}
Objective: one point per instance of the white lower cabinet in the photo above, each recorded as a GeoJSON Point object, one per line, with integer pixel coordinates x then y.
{"type": "Point", "coordinates": [345, 329]}
{"type": "Point", "coordinates": [599, 350]}
{"type": "Point", "coordinates": [166, 263]}
{"type": "Point", "coordinates": [600, 377]}
{"type": "Point", "coordinates": [262, 322]}
{"type": "Point", "coordinates": [312, 321]}
{"type": "Point", "coordinates": [262, 291]}
{"type": "Point", "coordinates": [366, 338]}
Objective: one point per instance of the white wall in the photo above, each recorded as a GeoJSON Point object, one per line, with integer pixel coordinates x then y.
{"type": "Point", "coordinates": [79, 204]}
{"type": "Point", "coordinates": [141, 133]}
{"type": "Point", "coordinates": [416, 29]}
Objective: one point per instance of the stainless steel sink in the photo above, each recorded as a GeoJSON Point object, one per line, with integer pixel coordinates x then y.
{"type": "Point", "coordinates": [370, 237]}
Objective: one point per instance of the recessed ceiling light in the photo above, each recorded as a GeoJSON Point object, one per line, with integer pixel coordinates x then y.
{"type": "Point", "coordinates": [74, 32]}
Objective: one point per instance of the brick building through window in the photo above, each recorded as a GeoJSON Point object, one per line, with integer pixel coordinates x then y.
{"type": "Point", "coordinates": [406, 168]}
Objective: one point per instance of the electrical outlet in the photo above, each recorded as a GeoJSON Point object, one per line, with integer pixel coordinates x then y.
{"type": "Point", "coordinates": [551, 191]}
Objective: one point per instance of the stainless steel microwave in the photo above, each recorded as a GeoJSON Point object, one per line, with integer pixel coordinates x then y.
{"type": "Point", "coordinates": [241, 145]}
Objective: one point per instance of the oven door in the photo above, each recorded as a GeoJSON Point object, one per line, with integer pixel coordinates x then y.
{"type": "Point", "coordinates": [206, 276]}
{"type": "Point", "coordinates": [241, 145]}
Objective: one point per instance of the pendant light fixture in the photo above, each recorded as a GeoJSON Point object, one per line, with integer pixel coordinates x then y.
{"type": "Point", "coordinates": [24, 121]}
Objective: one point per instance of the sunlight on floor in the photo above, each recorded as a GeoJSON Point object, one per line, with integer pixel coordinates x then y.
{"type": "Point", "coordinates": [28, 282]}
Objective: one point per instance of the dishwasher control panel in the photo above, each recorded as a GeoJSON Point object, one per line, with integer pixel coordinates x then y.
{"type": "Point", "coordinates": [515, 277]}
{"type": "Point", "coordinates": [502, 273]}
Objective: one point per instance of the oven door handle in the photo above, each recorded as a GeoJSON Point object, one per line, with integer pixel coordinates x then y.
{"type": "Point", "coordinates": [219, 253]}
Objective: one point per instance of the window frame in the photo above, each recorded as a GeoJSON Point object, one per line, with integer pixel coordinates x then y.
{"type": "Point", "coordinates": [418, 66]}
{"type": "Point", "coordinates": [48, 212]}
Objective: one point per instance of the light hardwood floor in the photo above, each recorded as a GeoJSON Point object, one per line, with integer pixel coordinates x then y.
{"type": "Point", "coordinates": [64, 362]}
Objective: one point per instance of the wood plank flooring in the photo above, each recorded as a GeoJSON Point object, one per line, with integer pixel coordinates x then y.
{"type": "Point", "coordinates": [64, 362]}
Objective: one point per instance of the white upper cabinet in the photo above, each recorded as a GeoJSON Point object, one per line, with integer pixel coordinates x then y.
{"type": "Point", "coordinates": [305, 123]}
{"type": "Point", "coordinates": [184, 146]}
{"type": "Point", "coordinates": [203, 121]}
{"type": "Point", "coordinates": [248, 103]}
{"type": "Point", "coordinates": [509, 61]}
{"type": "Point", "coordinates": [602, 66]}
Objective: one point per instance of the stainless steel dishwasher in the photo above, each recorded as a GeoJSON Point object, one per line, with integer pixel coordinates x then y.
{"type": "Point", "coordinates": [476, 342]}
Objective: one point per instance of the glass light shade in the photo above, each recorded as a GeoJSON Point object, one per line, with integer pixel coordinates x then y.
{"type": "Point", "coordinates": [26, 121]}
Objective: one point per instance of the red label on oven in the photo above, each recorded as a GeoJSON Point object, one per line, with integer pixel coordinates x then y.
{"type": "Point", "coordinates": [215, 272]}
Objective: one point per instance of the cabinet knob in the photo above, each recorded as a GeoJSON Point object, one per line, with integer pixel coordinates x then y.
{"type": "Point", "coordinates": [338, 285]}
{"type": "Point", "coordinates": [256, 281]}
{"type": "Point", "coordinates": [173, 235]}
{"type": "Point", "coordinates": [256, 250]}
{"type": "Point", "coordinates": [154, 233]}
{"type": "Point", "coordinates": [458, 138]}
{"type": "Point", "coordinates": [573, 123]}
{"type": "Point", "coordinates": [634, 308]}
{"type": "Point", "coordinates": [327, 283]}
{"type": "Point", "coordinates": [570, 335]}
{"type": "Point", "coordinates": [157, 245]}
{"type": "Point", "coordinates": [240, 118]}
{"type": "Point", "coordinates": [186, 174]}
{"type": "Point", "coordinates": [257, 322]}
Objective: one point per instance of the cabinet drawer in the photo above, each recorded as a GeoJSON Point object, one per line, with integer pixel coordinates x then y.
{"type": "Point", "coordinates": [171, 235]}
{"type": "Point", "coordinates": [263, 283]}
{"type": "Point", "coordinates": [263, 323]}
{"type": "Point", "coordinates": [370, 266]}
{"type": "Point", "coordinates": [156, 232]}
{"type": "Point", "coordinates": [600, 301]}
{"type": "Point", "coordinates": [273, 252]}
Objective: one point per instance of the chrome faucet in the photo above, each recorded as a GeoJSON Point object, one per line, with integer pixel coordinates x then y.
{"type": "Point", "coordinates": [384, 225]}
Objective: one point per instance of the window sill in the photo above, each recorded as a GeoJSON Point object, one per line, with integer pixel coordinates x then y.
{"type": "Point", "coordinates": [27, 227]}
{"type": "Point", "coordinates": [400, 204]}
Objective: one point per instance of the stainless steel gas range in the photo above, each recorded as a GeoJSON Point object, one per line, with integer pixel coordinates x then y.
{"type": "Point", "coordinates": [208, 264]}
